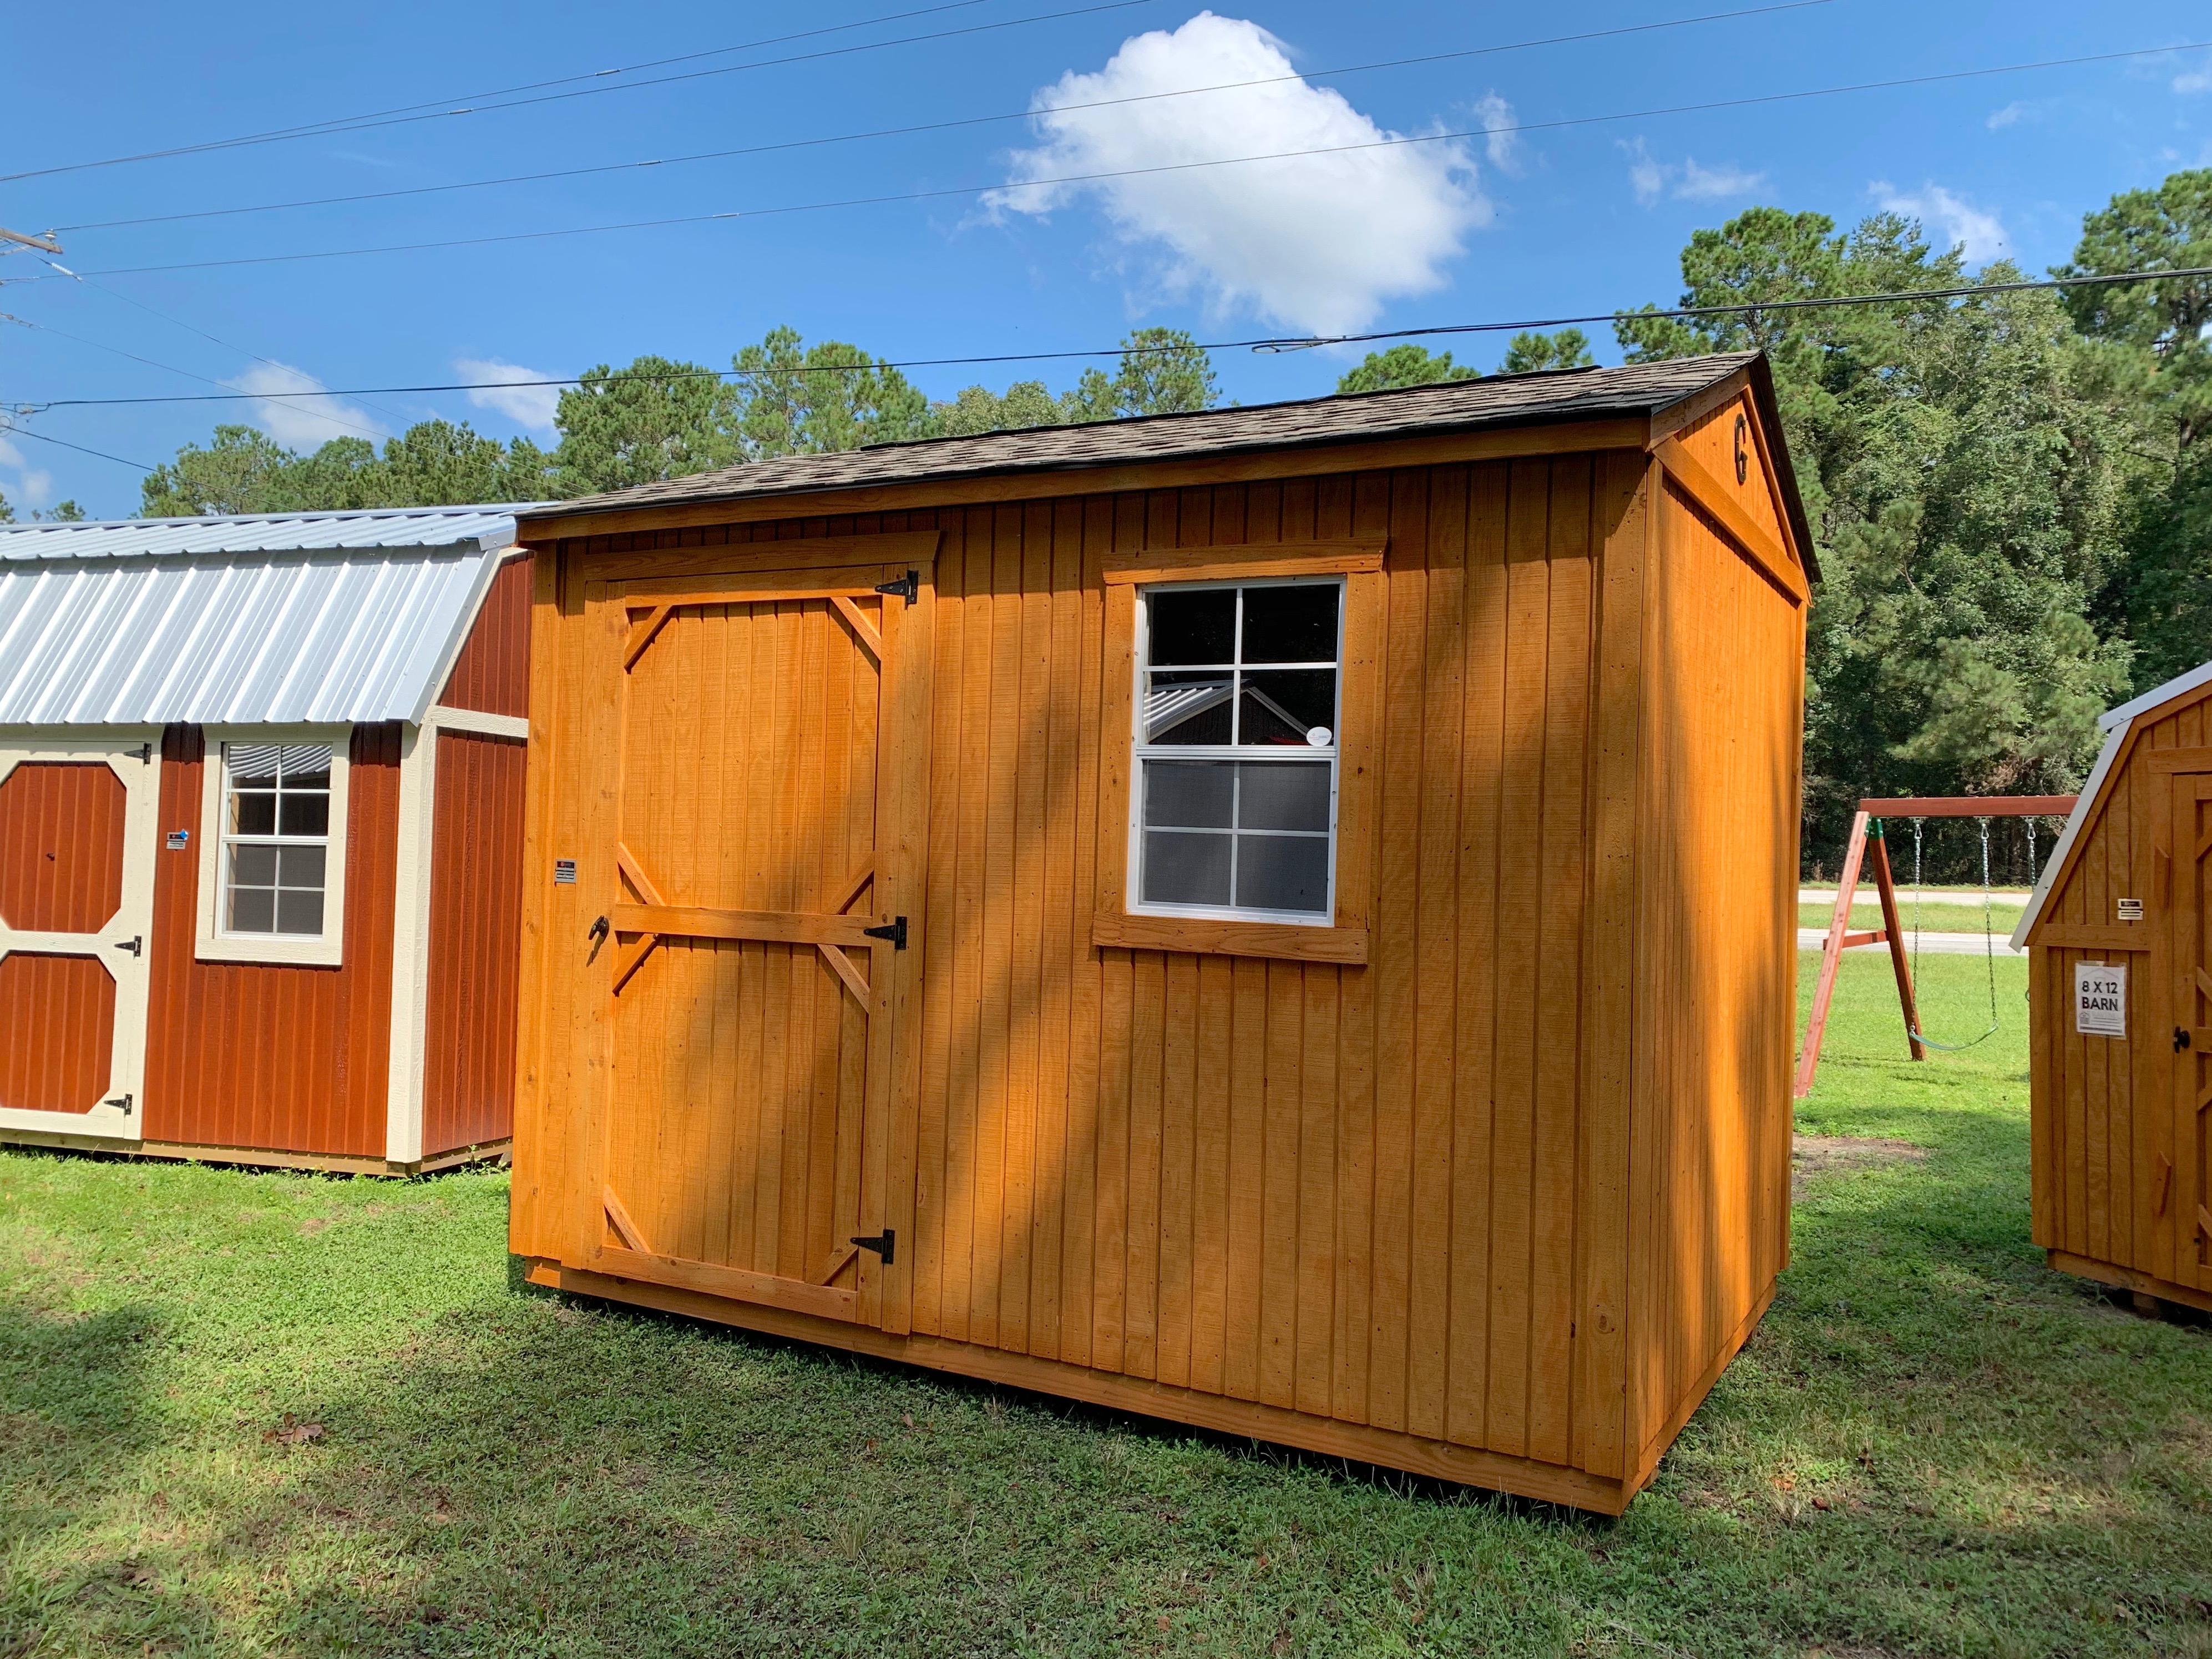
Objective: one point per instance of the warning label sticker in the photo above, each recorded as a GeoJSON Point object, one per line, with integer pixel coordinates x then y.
{"type": "Point", "coordinates": [2100, 999]}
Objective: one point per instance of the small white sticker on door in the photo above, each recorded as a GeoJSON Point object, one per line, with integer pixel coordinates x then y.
{"type": "Point", "coordinates": [2100, 999]}
{"type": "Point", "coordinates": [564, 873]}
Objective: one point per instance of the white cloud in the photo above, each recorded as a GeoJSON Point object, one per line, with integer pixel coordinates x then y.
{"type": "Point", "coordinates": [1315, 242]}
{"type": "Point", "coordinates": [531, 407]}
{"type": "Point", "coordinates": [31, 486]}
{"type": "Point", "coordinates": [1651, 178]}
{"type": "Point", "coordinates": [2193, 81]}
{"type": "Point", "coordinates": [2005, 117]}
{"type": "Point", "coordinates": [298, 421]}
{"type": "Point", "coordinates": [1503, 143]}
{"type": "Point", "coordinates": [1711, 183]}
{"type": "Point", "coordinates": [1957, 224]}
{"type": "Point", "coordinates": [1646, 177]}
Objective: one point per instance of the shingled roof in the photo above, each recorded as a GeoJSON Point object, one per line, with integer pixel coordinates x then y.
{"type": "Point", "coordinates": [1580, 394]}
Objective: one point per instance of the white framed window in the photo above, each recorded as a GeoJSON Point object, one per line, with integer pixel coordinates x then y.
{"type": "Point", "coordinates": [1233, 808]}
{"type": "Point", "coordinates": [272, 845]}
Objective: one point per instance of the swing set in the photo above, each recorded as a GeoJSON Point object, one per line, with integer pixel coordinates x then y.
{"type": "Point", "coordinates": [1868, 841]}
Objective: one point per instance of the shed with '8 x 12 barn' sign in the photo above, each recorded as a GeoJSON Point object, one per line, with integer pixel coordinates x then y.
{"type": "Point", "coordinates": [1281, 918]}
{"type": "Point", "coordinates": [2119, 933]}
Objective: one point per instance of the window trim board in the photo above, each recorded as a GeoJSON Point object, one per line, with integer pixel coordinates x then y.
{"type": "Point", "coordinates": [210, 942]}
{"type": "Point", "coordinates": [1345, 939]}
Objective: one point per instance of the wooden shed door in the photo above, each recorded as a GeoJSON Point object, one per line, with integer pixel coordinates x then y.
{"type": "Point", "coordinates": [77, 911]}
{"type": "Point", "coordinates": [764, 928]}
{"type": "Point", "coordinates": [2181, 1181]}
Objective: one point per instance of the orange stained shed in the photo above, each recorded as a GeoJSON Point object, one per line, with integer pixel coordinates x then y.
{"type": "Point", "coordinates": [1489, 1183]}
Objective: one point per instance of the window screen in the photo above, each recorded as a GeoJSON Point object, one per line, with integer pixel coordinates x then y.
{"type": "Point", "coordinates": [276, 838]}
{"type": "Point", "coordinates": [1235, 748]}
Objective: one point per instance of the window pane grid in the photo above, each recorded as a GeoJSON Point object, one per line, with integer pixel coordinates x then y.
{"type": "Point", "coordinates": [275, 834]}
{"type": "Point", "coordinates": [1260, 852]}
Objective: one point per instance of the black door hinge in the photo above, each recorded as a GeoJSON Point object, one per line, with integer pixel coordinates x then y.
{"type": "Point", "coordinates": [124, 1103]}
{"type": "Point", "coordinates": [2180, 1039]}
{"type": "Point", "coordinates": [894, 931]}
{"type": "Point", "coordinates": [145, 754]}
{"type": "Point", "coordinates": [906, 587]}
{"type": "Point", "coordinates": [882, 1243]}
{"type": "Point", "coordinates": [135, 945]}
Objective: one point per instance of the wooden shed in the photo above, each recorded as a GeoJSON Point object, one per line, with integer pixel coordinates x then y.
{"type": "Point", "coordinates": [260, 835]}
{"type": "Point", "coordinates": [2118, 933]}
{"type": "Point", "coordinates": [1281, 918]}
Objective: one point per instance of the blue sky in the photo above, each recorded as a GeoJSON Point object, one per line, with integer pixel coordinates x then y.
{"type": "Point", "coordinates": [1548, 219]}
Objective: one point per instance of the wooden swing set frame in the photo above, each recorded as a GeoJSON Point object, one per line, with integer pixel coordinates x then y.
{"type": "Point", "coordinates": [1866, 835]}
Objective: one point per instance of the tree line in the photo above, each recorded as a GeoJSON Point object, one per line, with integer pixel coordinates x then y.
{"type": "Point", "coordinates": [2011, 493]}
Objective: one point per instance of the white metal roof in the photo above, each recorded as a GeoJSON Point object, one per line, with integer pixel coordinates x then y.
{"type": "Point", "coordinates": [477, 528]}
{"type": "Point", "coordinates": [2117, 724]}
{"type": "Point", "coordinates": [267, 618]}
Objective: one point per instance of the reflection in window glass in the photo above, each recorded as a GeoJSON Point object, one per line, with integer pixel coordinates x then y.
{"type": "Point", "coordinates": [275, 833]}
{"type": "Point", "coordinates": [1216, 832]}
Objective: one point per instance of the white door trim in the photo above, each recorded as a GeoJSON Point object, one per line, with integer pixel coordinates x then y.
{"type": "Point", "coordinates": [135, 758]}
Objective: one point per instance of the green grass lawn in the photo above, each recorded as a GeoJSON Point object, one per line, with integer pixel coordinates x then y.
{"type": "Point", "coordinates": [270, 1413]}
{"type": "Point", "coordinates": [1950, 917]}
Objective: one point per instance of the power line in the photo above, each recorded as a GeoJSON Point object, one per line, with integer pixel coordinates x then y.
{"type": "Point", "coordinates": [7, 431]}
{"type": "Point", "coordinates": [1394, 142]}
{"type": "Point", "coordinates": [179, 322]}
{"type": "Point", "coordinates": [944, 127]}
{"type": "Point", "coordinates": [402, 116]}
{"type": "Point", "coordinates": [1754, 307]}
{"type": "Point", "coordinates": [282, 399]}
{"type": "Point", "coordinates": [1270, 344]}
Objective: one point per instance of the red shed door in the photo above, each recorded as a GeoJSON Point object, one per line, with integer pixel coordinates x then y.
{"type": "Point", "coordinates": [76, 901]}
{"type": "Point", "coordinates": [764, 921]}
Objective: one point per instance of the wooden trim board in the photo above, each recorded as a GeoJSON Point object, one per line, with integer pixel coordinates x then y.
{"type": "Point", "coordinates": [1548, 1482]}
{"type": "Point", "coordinates": [1371, 455]}
{"type": "Point", "coordinates": [2127, 1278]}
{"type": "Point", "coordinates": [259, 1158]}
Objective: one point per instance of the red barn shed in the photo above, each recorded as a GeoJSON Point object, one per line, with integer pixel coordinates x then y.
{"type": "Point", "coordinates": [260, 834]}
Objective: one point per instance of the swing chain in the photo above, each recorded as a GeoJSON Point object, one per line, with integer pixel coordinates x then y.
{"type": "Point", "coordinates": [1989, 939]}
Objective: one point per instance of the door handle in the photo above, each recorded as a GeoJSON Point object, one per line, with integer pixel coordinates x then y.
{"type": "Point", "coordinates": [597, 932]}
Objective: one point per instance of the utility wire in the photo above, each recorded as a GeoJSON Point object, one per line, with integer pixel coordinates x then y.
{"type": "Point", "coordinates": [401, 117]}
{"type": "Point", "coordinates": [179, 322]}
{"type": "Point", "coordinates": [284, 399]}
{"type": "Point", "coordinates": [945, 126]}
{"type": "Point", "coordinates": [8, 431]}
{"type": "Point", "coordinates": [1390, 142]}
{"type": "Point", "coordinates": [1270, 344]}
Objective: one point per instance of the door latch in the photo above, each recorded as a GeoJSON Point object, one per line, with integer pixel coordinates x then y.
{"type": "Point", "coordinates": [596, 932]}
{"type": "Point", "coordinates": [906, 587]}
{"type": "Point", "coordinates": [134, 945]}
{"type": "Point", "coordinates": [883, 1244]}
{"type": "Point", "coordinates": [2180, 1039]}
{"type": "Point", "coordinates": [894, 931]}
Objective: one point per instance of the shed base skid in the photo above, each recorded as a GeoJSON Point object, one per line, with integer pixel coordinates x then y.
{"type": "Point", "coordinates": [1468, 1465]}
{"type": "Point", "coordinates": [329, 1162]}
{"type": "Point", "coordinates": [2127, 1278]}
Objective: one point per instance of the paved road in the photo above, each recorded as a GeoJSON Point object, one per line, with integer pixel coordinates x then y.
{"type": "Point", "coordinates": [1936, 945]}
{"type": "Point", "coordinates": [1866, 894]}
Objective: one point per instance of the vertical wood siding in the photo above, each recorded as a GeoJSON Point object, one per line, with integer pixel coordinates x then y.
{"type": "Point", "coordinates": [492, 673]}
{"type": "Point", "coordinates": [61, 846]}
{"type": "Point", "coordinates": [1395, 1194]}
{"type": "Point", "coordinates": [1716, 958]}
{"type": "Point", "coordinates": [2114, 1129]}
{"type": "Point", "coordinates": [475, 940]}
{"type": "Point", "coordinates": [282, 1058]}
{"type": "Point", "coordinates": [56, 1032]}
